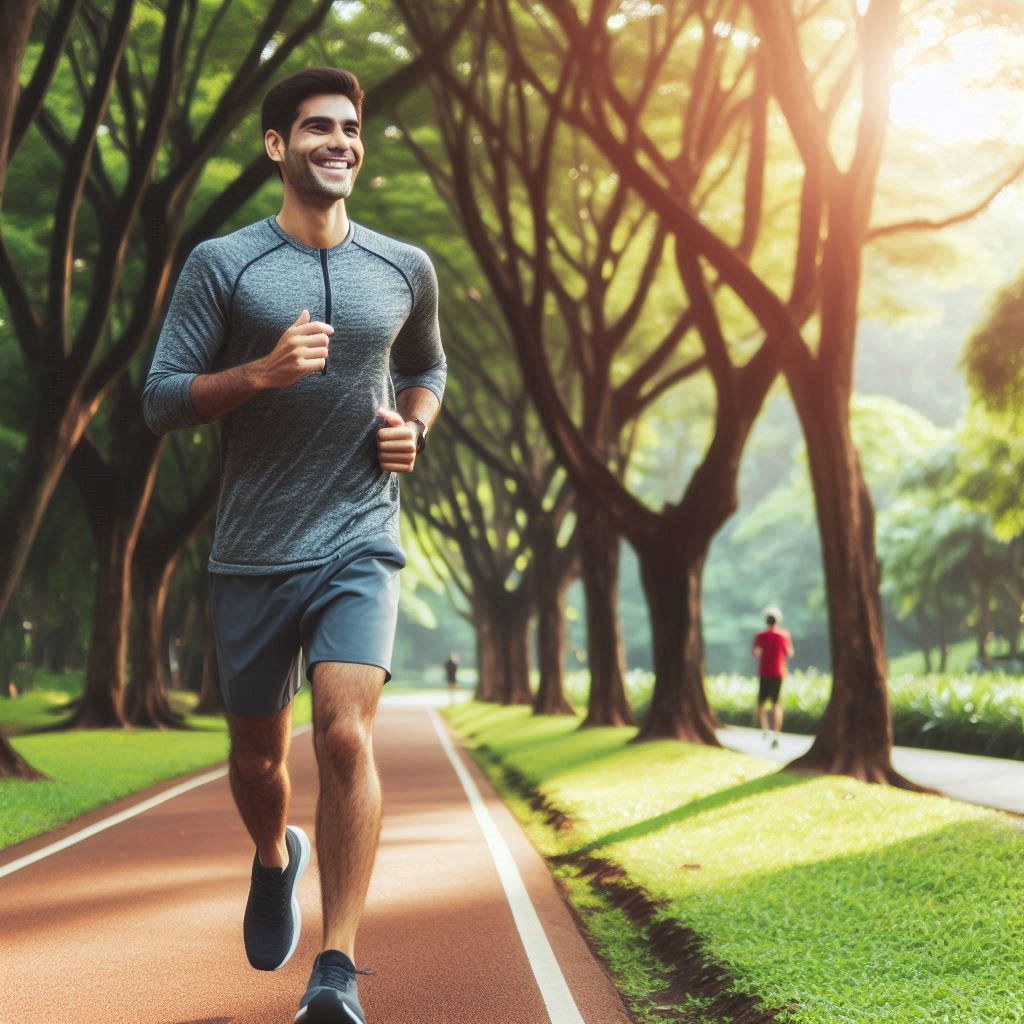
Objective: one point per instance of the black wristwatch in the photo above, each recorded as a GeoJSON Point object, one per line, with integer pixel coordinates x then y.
{"type": "Point", "coordinates": [421, 441]}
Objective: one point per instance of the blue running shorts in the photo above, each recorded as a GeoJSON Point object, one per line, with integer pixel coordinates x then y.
{"type": "Point", "coordinates": [344, 610]}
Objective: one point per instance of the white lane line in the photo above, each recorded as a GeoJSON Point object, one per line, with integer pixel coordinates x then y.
{"type": "Point", "coordinates": [554, 989]}
{"type": "Point", "coordinates": [116, 819]}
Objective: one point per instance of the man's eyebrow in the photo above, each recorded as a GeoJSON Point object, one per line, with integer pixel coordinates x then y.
{"type": "Point", "coordinates": [323, 119]}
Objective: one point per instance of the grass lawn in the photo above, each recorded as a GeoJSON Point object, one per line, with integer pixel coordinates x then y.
{"type": "Point", "coordinates": [830, 901]}
{"type": "Point", "coordinates": [92, 767]}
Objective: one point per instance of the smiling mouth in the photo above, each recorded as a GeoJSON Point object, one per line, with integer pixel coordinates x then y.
{"type": "Point", "coordinates": [334, 165]}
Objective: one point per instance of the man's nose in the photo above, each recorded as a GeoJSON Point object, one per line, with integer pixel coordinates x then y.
{"type": "Point", "coordinates": [339, 140]}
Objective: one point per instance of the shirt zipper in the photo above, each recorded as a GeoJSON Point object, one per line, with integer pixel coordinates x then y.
{"type": "Point", "coordinates": [327, 295]}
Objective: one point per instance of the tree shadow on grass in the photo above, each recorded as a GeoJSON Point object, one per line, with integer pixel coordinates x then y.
{"type": "Point", "coordinates": [570, 749]}
{"type": "Point", "coordinates": [754, 787]}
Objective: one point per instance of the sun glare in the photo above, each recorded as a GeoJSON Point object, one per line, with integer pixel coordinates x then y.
{"type": "Point", "coordinates": [953, 99]}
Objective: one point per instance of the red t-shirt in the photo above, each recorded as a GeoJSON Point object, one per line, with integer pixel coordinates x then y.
{"type": "Point", "coordinates": [774, 644]}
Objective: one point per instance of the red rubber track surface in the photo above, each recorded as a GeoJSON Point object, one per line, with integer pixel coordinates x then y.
{"type": "Point", "coordinates": [141, 923]}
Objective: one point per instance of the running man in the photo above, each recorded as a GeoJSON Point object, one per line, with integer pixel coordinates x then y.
{"type": "Point", "coordinates": [315, 342]}
{"type": "Point", "coordinates": [772, 646]}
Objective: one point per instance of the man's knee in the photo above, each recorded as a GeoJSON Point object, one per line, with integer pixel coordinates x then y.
{"type": "Point", "coordinates": [259, 745]}
{"type": "Point", "coordinates": [342, 742]}
{"type": "Point", "coordinates": [253, 767]}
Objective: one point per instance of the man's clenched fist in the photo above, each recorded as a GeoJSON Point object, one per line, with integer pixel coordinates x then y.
{"type": "Point", "coordinates": [300, 350]}
{"type": "Point", "coordinates": [396, 443]}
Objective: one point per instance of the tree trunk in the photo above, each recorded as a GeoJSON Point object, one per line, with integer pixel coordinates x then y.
{"type": "Point", "coordinates": [983, 579]}
{"type": "Point", "coordinates": [671, 577]}
{"type": "Point", "coordinates": [18, 18]}
{"type": "Point", "coordinates": [47, 451]}
{"type": "Point", "coordinates": [551, 595]}
{"type": "Point", "coordinates": [923, 639]}
{"type": "Point", "coordinates": [13, 765]}
{"type": "Point", "coordinates": [116, 498]}
{"type": "Point", "coordinates": [1014, 594]}
{"type": "Point", "coordinates": [514, 650]}
{"type": "Point", "coordinates": [102, 702]}
{"type": "Point", "coordinates": [855, 734]}
{"type": "Point", "coordinates": [608, 703]}
{"type": "Point", "coordinates": [487, 656]}
{"type": "Point", "coordinates": [147, 702]}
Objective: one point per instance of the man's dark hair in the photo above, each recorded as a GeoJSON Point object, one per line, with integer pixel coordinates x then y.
{"type": "Point", "coordinates": [770, 619]}
{"type": "Point", "coordinates": [282, 102]}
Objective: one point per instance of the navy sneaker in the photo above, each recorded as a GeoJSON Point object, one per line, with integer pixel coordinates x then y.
{"type": "Point", "coordinates": [272, 917]}
{"type": "Point", "coordinates": [331, 996]}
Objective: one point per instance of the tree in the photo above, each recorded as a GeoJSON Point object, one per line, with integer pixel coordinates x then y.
{"type": "Point", "coordinates": [576, 271]}
{"type": "Point", "coordinates": [139, 206]}
{"type": "Point", "coordinates": [815, 326]}
{"type": "Point", "coordinates": [991, 462]}
{"type": "Point", "coordinates": [162, 130]}
{"type": "Point", "coordinates": [502, 522]}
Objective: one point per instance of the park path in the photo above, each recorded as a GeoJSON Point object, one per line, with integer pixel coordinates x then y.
{"type": "Point", "coordinates": [141, 923]}
{"type": "Point", "coordinates": [990, 781]}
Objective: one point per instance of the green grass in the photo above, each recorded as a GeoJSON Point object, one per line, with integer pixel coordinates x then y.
{"type": "Point", "coordinates": [961, 654]}
{"type": "Point", "coordinates": [846, 902]}
{"type": "Point", "coordinates": [92, 767]}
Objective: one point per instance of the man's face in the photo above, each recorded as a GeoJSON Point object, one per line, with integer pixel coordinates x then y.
{"type": "Point", "coordinates": [324, 151]}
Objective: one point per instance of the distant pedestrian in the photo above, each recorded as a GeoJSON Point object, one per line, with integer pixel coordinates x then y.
{"type": "Point", "coordinates": [772, 646]}
{"type": "Point", "coordinates": [451, 671]}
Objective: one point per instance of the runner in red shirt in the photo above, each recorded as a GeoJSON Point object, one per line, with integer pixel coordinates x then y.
{"type": "Point", "coordinates": [772, 646]}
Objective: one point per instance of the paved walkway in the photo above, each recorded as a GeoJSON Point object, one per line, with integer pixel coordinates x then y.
{"type": "Point", "coordinates": [141, 923]}
{"type": "Point", "coordinates": [989, 781]}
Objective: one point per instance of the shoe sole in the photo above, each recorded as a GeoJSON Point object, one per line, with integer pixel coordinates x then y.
{"type": "Point", "coordinates": [305, 852]}
{"type": "Point", "coordinates": [326, 1013]}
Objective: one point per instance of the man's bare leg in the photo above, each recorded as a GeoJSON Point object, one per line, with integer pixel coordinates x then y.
{"type": "Point", "coordinates": [259, 779]}
{"type": "Point", "coordinates": [777, 716]}
{"type": "Point", "coordinates": [348, 813]}
{"type": "Point", "coordinates": [762, 716]}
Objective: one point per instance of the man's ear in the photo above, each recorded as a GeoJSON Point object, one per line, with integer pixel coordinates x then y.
{"type": "Point", "coordinates": [274, 145]}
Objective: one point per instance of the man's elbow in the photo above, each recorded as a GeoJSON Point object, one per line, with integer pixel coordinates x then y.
{"type": "Point", "coordinates": [166, 405]}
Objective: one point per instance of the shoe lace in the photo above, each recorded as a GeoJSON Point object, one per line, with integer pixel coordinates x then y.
{"type": "Point", "coordinates": [270, 897]}
{"type": "Point", "coordinates": [337, 976]}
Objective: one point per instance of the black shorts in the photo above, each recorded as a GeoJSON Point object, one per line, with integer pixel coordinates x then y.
{"type": "Point", "coordinates": [769, 689]}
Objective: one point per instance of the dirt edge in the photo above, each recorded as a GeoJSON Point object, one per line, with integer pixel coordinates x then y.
{"type": "Point", "coordinates": [694, 974]}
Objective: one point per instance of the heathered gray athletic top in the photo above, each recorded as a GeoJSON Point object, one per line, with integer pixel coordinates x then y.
{"type": "Point", "coordinates": [300, 477]}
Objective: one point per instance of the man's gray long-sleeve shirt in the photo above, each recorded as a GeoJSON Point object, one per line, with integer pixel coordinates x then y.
{"type": "Point", "coordinates": [300, 477]}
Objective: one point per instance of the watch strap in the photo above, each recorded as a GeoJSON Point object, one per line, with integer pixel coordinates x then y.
{"type": "Point", "coordinates": [421, 441]}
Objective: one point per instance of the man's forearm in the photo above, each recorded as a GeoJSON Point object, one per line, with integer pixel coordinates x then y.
{"type": "Point", "coordinates": [418, 404]}
{"type": "Point", "coordinates": [216, 394]}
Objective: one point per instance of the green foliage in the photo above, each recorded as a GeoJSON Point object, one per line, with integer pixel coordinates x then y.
{"type": "Point", "coordinates": [832, 901]}
{"type": "Point", "coordinates": [966, 713]}
{"type": "Point", "coordinates": [90, 768]}
{"type": "Point", "coordinates": [994, 356]}
{"type": "Point", "coordinates": [969, 714]}
{"type": "Point", "coordinates": [991, 466]}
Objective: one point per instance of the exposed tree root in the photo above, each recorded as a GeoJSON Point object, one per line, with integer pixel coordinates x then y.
{"type": "Point", "coordinates": [874, 770]}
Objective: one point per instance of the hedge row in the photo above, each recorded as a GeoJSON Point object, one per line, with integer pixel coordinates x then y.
{"type": "Point", "coordinates": [969, 714]}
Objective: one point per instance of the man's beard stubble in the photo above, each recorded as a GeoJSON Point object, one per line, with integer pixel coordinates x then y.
{"type": "Point", "coordinates": [304, 179]}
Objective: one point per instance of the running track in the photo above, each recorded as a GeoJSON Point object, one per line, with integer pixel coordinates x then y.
{"type": "Point", "coordinates": [140, 923]}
